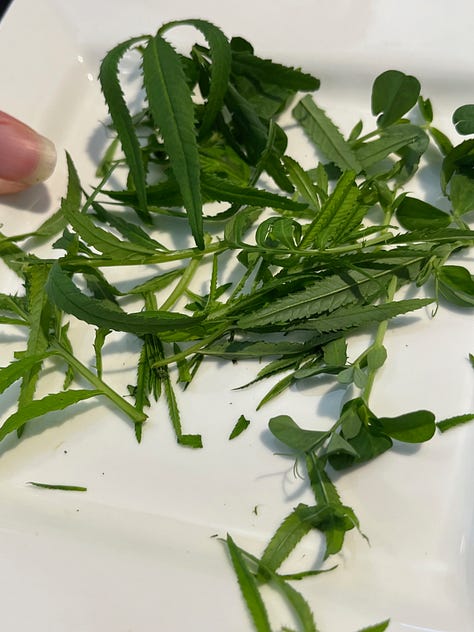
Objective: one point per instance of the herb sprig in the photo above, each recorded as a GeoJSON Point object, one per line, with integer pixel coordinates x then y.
{"type": "Point", "coordinates": [313, 268]}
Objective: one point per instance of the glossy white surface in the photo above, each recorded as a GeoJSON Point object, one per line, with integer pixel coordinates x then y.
{"type": "Point", "coordinates": [135, 553]}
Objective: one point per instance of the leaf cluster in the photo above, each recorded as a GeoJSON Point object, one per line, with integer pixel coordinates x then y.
{"type": "Point", "coordinates": [310, 266]}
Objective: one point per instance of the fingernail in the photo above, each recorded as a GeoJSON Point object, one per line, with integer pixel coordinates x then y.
{"type": "Point", "coordinates": [26, 157]}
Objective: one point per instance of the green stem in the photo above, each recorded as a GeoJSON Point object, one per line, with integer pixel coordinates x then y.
{"type": "Point", "coordinates": [378, 341]}
{"type": "Point", "coordinates": [182, 284]}
{"type": "Point", "coordinates": [134, 414]}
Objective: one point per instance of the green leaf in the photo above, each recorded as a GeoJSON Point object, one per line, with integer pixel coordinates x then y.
{"type": "Point", "coordinates": [267, 71]}
{"type": "Point", "coordinates": [461, 194]}
{"type": "Point", "coordinates": [463, 119]}
{"type": "Point", "coordinates": [302, 182]}
{"type": "Point", "coordinates": [452, 422]}
{"type": "Point", "coordinates": [456, 284]}
{"type": "Point", "coordinates": [288, 432]}
{"type": "Point", "coordinates": [122, 119]}
{"type": "Point", "coordinates": [248, 588]}
{"type": "Point", "coordinates": [291, 531]}
{"type": "Point", "coordinates": [67, 296]}
{"type": "Point", "coordinates": [40, 320]}
{"type": "Point", "coordinates": [335, 352]}
{"type": "Point", "coordinates": [66, 488]}
{"type": "Point", "coordinates": [393, 94]}
{"type": "Point", "coordinates": [171, 106]}
{"type": "Point", "coordinates": [102, 240]}
{"type": "Point", "coordinates": [376, 357]}
{"type": "Point", "coordinates": [392, 139]}
{"type": "Point", "coordinates": [57, 222]}
{"type": "Point", "coordinates": [338, 445]}
{"type": "Point", "coordinates": [426, 109]}
{"type": "Point", "coordinates": [459, 160]}
{"type": "Point", "coordinates": [297, 603]}
{"type": "Point", "coordinates": [220, 69]}
{"type": "Point", "coordinates": [133, 232]}
{"type": "Point", "coordinates": [414, 427]}
{"type": "Point", "coordinates": [242, 424]}
{"type": "Point", "coordinates": [331, 295]}
{"type": "Point", "coordinates": [415, 214]}
{"type": "Point", "coordinates": [339, 214]}
{"type": "Point", "coordinates": [18, 369]}
{"type": "Point", "coordinates": [49, 403]}
{"type": "Point", "coordinates": [222, 190]}
{"type": "Point", "coordinates": [363, 433]}
{"type": "Point", "coordinates": [325, 135]}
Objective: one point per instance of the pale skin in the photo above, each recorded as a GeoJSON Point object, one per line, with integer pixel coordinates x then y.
{"type": "Point", "coordinates": [26, 157]}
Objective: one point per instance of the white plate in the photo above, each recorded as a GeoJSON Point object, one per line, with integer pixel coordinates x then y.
{"type": "Point", "coordinates": [135, 553]}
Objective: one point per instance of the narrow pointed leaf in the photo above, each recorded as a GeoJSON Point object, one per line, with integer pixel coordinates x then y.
{"type": "Point", "coordinates": [249, 588]}
{"type": "Point", "coordinates": [39, 407]}
{"type": "Point", "coordinates": [220, 51]}
{"type": "Point", "coordinates": [122, 119]}
{"type": "Point", "coordinates": [171, 106]}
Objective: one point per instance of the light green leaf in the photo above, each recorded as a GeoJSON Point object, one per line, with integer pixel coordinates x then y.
{"type": "Point", "coordinates": [325, 135]}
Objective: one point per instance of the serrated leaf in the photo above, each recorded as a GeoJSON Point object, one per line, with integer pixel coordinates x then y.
{"type": "Point", "coordinates": [220, 52]}
{"type": "Point", "coordinates": [351, 316]}
{"type": "Point", "coordinates": [18, 368]}
{"type": "Point", "coordinates": [93, 235]}
{"type": "Point", "coordinates": [39, 407]}
{"type": "Point", "coordinates": [172, 109]}
{"type": "Point", "coordinates": [325, 135]}
{"type": "Point", "coordinates": [453, 422]}
{"type": "Point", "coordinates": [392, 139]}
{"type": "Point", "coordinates": [249, 588]}
{"type": "Point", "coordinates": [336, 216]}
{"type": "Point", "coordinates": [222, 190]}
{"type": "Point", "coordinates": [67, 296]}
{"type": "Point", "coordinates": [326, 295]}
{"type": "Point", "coordinates": [242, 424]}
{"type": "Point", "coordinates": [122, 119]}
{"type": "Point", "coordinates": [291, 531]}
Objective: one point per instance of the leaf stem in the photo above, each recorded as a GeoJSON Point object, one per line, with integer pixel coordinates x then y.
{"type": "Point", "coordinates": [378, 341]}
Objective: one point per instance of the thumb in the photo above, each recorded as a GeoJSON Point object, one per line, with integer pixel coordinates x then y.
{"type": "Point", "coordinates": [26, 157]}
